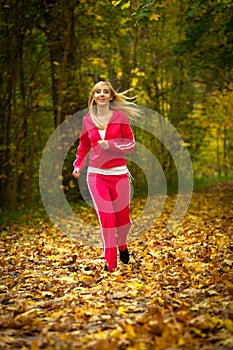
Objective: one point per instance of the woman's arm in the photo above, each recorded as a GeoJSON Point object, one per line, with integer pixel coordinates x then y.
{"type": "Point", "coordinates": [82, 151]}
{"type": "Point", "coordinates": [126, 142]}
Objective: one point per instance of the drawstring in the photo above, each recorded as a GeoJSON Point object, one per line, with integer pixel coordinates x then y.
{"type": "Point", "coordinates": [131, 178]}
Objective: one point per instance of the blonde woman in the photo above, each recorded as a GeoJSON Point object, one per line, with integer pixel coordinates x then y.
{"type": "Point", "coordinates": [107, 133]}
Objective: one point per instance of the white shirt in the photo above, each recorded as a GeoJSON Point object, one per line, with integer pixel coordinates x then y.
{"type": "Point", "coordinates": [119, 170]}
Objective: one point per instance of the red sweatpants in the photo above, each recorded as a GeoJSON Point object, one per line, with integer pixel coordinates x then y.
{"type": "Point", "coordinates": [111, 198]}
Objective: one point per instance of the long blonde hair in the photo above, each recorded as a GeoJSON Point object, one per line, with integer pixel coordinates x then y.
{"type": "Point", "coordinates": [120, 101]}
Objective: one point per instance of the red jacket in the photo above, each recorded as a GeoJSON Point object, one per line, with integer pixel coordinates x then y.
{"type": "Point", "coordinates": [119, 136]}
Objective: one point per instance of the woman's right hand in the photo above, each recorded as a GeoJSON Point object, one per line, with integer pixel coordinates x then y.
{"type": "Point", "coordinates": [76, 173]}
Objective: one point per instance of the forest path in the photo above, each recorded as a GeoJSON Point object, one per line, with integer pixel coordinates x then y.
{"type": "Point", "coordinates": [176, 293]}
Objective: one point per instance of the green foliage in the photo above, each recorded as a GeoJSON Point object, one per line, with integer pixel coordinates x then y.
{"type": "Point", "coordinates": [175, 54]}
{"type": "Point", "coordinates": [209, 36]}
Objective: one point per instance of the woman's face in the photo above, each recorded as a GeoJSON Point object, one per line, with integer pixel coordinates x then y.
{"type": "Point", "coordinates": [102, 95]}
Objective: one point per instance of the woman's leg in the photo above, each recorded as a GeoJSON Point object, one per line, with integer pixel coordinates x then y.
{"type": "Point", "coordinates": [100, 190]}
{"type": "Point", "coordinates": [122, 210]}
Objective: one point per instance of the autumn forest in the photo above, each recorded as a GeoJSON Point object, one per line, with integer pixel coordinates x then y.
{"type": "Point", "coordinates": [176, 59]}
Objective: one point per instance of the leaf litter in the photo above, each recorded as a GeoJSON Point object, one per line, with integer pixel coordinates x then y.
{"type": "Point", "coordinates": [176, 293]}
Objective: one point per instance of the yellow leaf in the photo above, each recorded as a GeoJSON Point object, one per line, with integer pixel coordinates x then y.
{"type": "Point", "coordinates": [97, 61]}
{"type": "Point", "coordinates": [229, 324]}
{"type": "Point", "coordinates": [154, 17]}
{"type": "Point", "coordinates": [134, 81]}
{"type": "Point", "coordinates": [121, 311]}
{"type": "Point", "coordinates": [126, 5]}
{"type": "Point", "coordinates": [3, 288]}
{"type": "Point", "coordinates": [130, 331]}
{"type": "Point", "coordinates": [72, 184]}
{"type": "Point", "coordinates": [116, 2]}
{"type": "Point", "coordinates": [119, 74]}
{"type": "Point", "coordinates": [228, 262]}
{"type": "Point", "coordinates": [34, 345]}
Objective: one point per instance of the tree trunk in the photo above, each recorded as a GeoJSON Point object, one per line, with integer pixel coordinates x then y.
{"type": "Point", "coordinates": [225, 151]}
{"type": "Point", "coordinates": [59, 29]}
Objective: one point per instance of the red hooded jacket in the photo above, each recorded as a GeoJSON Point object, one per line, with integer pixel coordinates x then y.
{"type": "Point", "coordinates": [119, 136]}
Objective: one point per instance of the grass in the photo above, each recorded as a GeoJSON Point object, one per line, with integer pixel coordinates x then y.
{"type": "Point", "coordinates": [203, 182]}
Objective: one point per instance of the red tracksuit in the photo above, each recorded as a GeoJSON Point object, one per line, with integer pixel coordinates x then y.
{"type": "Point", "coordinates": [110, 192]}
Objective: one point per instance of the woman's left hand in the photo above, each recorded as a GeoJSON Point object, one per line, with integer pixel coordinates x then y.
{"type": "Point", "coordinates": [104, 144]}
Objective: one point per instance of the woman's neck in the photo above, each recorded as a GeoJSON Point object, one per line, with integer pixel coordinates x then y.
{"type": "Point", "coordinates": [103, 111]}
{"type": "Point", "coordinates": [102, 116]}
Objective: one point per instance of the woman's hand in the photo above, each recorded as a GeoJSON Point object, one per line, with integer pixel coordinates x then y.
{"type": "Point", "coordinates": [76, 173]}
{"type": "Point", "coordinates": [104, 144]}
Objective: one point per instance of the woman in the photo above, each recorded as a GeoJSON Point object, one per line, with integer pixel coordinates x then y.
{"type": "Point", "coordinates": [107, 133]}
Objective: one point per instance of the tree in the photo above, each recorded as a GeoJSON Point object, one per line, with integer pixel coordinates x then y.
{"type": "Point", "coordinates": [18, 99]}
{"type": "Point", "coordinates": [175, 54]}
{"type": "Point", "coordinates": [209, 41]}
{"type": "Point", "coordinates": [59, 22]}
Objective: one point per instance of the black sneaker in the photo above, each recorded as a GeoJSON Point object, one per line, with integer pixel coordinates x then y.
{"type": "Point", "coordinates": [106, 268]}
{"type": "Point", "coordinates": [124, 256]}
